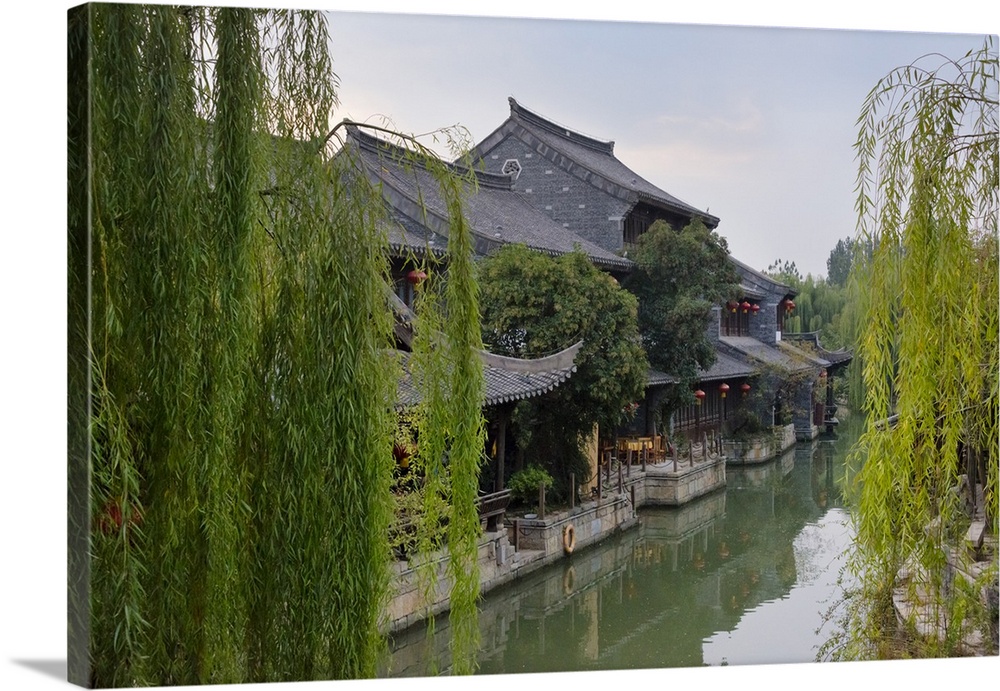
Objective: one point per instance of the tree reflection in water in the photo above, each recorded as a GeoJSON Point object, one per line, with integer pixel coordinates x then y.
{"type": "Point", "coordinates": [742, 576]}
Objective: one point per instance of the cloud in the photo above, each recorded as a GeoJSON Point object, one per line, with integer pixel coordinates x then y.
{"type": "Point", "coordinates": [745, 117]}
{"type": "Point", "coordinates": [684, 159]}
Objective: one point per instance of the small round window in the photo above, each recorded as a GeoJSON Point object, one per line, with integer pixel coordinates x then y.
{"type": "Point", "coordinates": [511, 167]}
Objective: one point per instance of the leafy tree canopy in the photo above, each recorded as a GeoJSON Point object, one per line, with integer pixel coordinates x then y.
{"type": "Point", "coordinates": [533, 305]}
{"type": "Point", "coordinates": [680, 275]}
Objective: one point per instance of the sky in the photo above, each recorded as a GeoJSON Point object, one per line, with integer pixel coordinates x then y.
{"type": "Point", "coordinates": [755, 125]}
{"type": "Point", "coordinates": [730, 122]}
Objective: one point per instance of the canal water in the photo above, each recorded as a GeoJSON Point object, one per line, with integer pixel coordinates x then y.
{"type": "Point", "coordinates": [742, 576]}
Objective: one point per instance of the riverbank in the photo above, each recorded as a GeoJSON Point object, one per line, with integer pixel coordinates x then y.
{"type": "Point", "coordinates": [917, 605]}
{"type": "Point", "coordinates": [761, 449]}
{"type": "Point", "coordinates": [739, 576]}
{"type": "Point", "coordinates": [420, 586]}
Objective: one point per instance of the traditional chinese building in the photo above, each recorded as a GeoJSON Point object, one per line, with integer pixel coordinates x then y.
{"type": "Point", "coordinates": [579, 183]}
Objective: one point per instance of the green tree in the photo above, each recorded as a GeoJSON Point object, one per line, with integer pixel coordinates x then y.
{"type": "Point", "coordinates": [927, 204]}
{"type": "Point", "coordinates": [843, 257]}
{"type": "Point", "coordinates": [679, 277]}
{"type": "Point", "coordinates": [784, 270]}
{"type": "Point", "coordinates": [230, 460]}
{"type": "Point", "coordinates": [534, 305]}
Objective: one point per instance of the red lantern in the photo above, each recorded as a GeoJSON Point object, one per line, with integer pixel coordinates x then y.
{"type": "Point", "coordinates": [731, 306]}
{"type": "Point", "coordinates": [755, 308]}
{"type": "Point", "coordinates": [416, 277]}
{"type": "Point", "coordinates": [745, 388]}
{"type": "Point", "coordinates": [789, 305]}
{"type": "Point", "coordinates": [699, 395]}
{"type": "Point", "coordinates": [723, 389]}
{"type": "Point", "coordinates": [822, 374]}
{"type": "Point", "coordinates": [745, 306]}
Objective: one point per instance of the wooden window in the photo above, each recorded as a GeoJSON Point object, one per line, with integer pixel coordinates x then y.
{"type": "Point", "coordinates": [735, 323]}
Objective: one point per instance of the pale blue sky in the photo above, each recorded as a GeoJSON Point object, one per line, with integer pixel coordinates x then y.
{"type": "Point", "coordinates": [755, 124]}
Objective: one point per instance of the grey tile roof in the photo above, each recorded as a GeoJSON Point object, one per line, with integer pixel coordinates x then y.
{"type": "Point", "coordinates": [833, 358]}
{"type": "Point", "coordinates": [726, 367]}
{"type": "Point", "coordinates": [801, 353]}
{"type": "Point", "coordinates": [767, 354]}
{"type": "Point", "coordinates": [506, 379]}
{"type": "Point", "coordinates": [658, 378]}
{"type": "Point", "coordinates": [594, 156]}
{"type": "Point", "coordinates": [405, 237]}
{"type": "Point", "coordinates": [497, 214]}
{"type": "Point", "coordinates": [758, 281]}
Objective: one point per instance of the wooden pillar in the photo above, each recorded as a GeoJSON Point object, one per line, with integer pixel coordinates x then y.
{"type": "Point", "coordinates": [504, 417]}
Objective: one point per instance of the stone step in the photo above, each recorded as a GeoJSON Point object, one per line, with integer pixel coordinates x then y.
{"type": "Point", "coordinates": [974, 536]}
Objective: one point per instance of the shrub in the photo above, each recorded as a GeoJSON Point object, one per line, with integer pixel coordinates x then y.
{"type": "Point", "coordinates": [524, 484]}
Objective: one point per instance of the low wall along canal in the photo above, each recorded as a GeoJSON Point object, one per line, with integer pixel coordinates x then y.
{"type": "Point", "coordinates": [740, 575]}
{"type": "Point", "coordinates": [529, 543]}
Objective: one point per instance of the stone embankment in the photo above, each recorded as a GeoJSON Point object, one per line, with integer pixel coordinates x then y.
{"type": "Point", "coordinates": [525, 544]}
{"type": "Point", "coordinates": [760, 449]}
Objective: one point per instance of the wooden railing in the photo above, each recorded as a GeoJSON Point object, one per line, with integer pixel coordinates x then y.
{"type": "Point", "coordinates": [492, 507]}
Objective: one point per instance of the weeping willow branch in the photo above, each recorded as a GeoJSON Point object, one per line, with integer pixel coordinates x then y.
{"type": "Point", "coordinates": [241, 386]}
{"type": "Point", "coordinates": [927, 205]}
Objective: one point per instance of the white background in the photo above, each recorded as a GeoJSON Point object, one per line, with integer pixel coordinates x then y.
{"type": "Point", "coordinates": [33, 338]}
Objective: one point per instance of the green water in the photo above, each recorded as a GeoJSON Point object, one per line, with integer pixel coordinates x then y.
{"type": "Point", "coordinates": [743, 576]}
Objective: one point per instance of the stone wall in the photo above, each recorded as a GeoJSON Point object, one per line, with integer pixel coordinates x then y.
{"type": "Point", "coordinates": [528, 544]}
{"type": "Point", "coordinates": [666, 487]}
{"type": "Point", "coordinates": [762, 449]}
{"type": "Point", "coordinates": [498, 563]}
{"type": "Point", "coordinates": [591, 522]}
{"type": "Point", "coordinates": [568, 200]}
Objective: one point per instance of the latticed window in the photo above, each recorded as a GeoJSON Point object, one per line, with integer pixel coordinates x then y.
{"type": "Point", "coordinates": [511, 167]}
{"type": "Point", "coordinates": [735, 323]}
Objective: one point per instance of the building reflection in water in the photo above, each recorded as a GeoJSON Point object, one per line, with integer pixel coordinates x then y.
{"type": "Point", "coordinates": [652, 596]}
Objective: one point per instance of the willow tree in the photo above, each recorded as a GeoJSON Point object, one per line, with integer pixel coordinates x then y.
{"type": "Point", "coordinates": [927, 205]}
{"type": "Point", "coordinates": [230, 370]}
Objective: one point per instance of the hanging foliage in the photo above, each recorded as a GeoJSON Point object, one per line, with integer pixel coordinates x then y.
{"type": "Point", "coordinates": [927, 204]}
{"type": "Point", "coordinates": [240, 375]}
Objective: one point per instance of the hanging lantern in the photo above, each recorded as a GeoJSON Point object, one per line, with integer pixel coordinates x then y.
{"type": "Point", "coordinates": [822, 374]}
{"type": "Point", "coordinates": [723, 389]}
{"type": "Point", "coordinates": [789, 305]}
{"type": "Point", "coordinates": [699, 396]}
{"type": "Point", "coordinates": [755, 308]}
{"type": "Point", "coordinates": [416, 277]}
{"type": "Point", "coordinates": [745, 306]}
{"type": "Point", "coordinates": [731, 306]}
{"type": "Point", "coordinates": [745, 388]}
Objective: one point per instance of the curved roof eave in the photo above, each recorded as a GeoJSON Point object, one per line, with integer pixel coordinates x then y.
{"type": "Point", "coordinates": [539, 126]}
